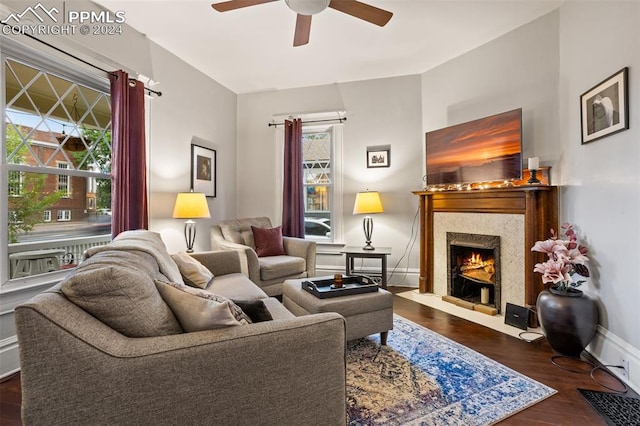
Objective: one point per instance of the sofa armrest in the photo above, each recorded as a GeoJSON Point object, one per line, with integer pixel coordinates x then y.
{"type": "Point", "coordinates": [220, 262]}
{"type": "Point", "coordinates": [85, 373]}
{"type": "Point", "coordinates": [302, 248]}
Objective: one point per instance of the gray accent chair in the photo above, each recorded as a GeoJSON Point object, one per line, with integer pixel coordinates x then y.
{"type": "Point", "coordinates": [269, 272]}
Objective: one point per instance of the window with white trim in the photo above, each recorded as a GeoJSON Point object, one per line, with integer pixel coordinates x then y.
{"type": "Point", "coordinates": [56, 142]}
{"type": "Point", "coordinates": [64, 215]}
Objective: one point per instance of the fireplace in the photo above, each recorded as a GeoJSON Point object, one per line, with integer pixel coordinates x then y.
{"type": "Point", "coordinates": [473, 265]}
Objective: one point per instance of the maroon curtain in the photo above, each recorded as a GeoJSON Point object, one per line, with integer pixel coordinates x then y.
{"type": "Point", "coordinates": [293, 202]}
{"type": "Point", "coordinates": [128, 156]}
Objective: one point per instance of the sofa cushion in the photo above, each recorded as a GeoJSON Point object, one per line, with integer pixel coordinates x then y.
{"type": "Point", "coordinates": [193, 272]}
{"type": "Point", "coordinates": [272, 267]}
{"type": "Point", "coordinates": [268, 241]}
{"type": "Point", "coordinates": [255, 309]}
{"type": "Point", "coordinates": [198, 309]}
{"type": "Point", "coordinates": [236, 286]}
{"type": "Point", "coordinates": [117, 288]}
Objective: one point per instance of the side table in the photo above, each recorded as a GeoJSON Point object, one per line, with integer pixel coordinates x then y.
{"type": "Point", "coordinates": [381, 253]}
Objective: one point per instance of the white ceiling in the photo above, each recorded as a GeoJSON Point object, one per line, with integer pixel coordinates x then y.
{"type": "Point", "coordinates": [250, 49]}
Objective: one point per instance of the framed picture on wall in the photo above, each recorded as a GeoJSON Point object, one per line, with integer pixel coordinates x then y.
{"type": "Point", "coordinates": [203, 170]}
{"type": "Point", "coordinates": [604, 109]}
{"type": "Point", "coordinates": [378, 156]}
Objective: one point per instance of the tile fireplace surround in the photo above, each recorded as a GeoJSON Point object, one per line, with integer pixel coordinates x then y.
{"type": "Point", "coordinates": [520, 215]}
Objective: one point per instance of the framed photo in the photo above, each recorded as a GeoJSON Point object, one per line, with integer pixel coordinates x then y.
{"type": "Point", "coordinates": [604, 109]}
{"type": "Point", "coordinates": [203, 170]}
{"type": "Point", "coordinates": [378, 156]}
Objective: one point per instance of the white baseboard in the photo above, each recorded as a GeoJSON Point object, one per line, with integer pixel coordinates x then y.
{"type": "Point", "coordinates": [609, 349]}
{"type": "Point", "coordinates": [9, 356]}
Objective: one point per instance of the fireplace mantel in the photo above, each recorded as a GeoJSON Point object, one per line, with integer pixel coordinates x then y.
{"type": "Point", "coordinates": [538, 204]}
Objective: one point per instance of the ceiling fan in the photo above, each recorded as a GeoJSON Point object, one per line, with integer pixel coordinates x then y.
{"type": "Point", "coordinates": [306, 8]}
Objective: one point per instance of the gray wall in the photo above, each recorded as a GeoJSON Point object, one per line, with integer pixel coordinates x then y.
{"type": "Point", "coordinates": [601, 180]}
{"type": "Point", "coordinates": [379, 112]}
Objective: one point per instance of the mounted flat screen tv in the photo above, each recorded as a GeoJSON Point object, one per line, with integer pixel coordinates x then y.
{"type": "Point", "coordinates": [484, 150]}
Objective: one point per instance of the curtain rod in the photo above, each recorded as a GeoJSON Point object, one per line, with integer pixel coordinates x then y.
{"type": "Point", "coordinates": [341, 119]}
{"type": "Point", "coordinates": [74, 56]}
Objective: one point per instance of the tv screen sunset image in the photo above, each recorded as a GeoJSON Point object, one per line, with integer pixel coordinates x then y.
{"type": "Point", "coordinates": [483, 150]}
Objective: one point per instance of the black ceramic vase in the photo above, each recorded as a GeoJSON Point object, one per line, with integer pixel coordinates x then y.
{"type": "Point", "coordinates": [568, 320]}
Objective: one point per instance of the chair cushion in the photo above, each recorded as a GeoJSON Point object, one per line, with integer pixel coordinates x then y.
{"type": "Point", "coordinates": [232, 229]}
{"type": "Point", "coordinates": [268, 241]}
{"type": "Point", "coordinates": [117, 288]}
{"type": "Point", "coordinates": [193, 272]}
{"type": "Point", "coordinates": [198, 309]}
{"type": "Point", "coordinates": [272, 267]}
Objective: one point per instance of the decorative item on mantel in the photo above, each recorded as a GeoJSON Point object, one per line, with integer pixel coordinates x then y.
{"type": "Point", "coordinates": [568, 317]}
{"type": "Point", "coordinates": [534, 165]}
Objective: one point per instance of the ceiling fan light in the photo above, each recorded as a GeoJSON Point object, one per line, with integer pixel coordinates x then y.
{"type": "Point", "coordinates": [307, 7]}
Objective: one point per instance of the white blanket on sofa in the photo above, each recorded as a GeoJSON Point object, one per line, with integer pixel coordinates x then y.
{"type": "Point", "coordinates": [145, 241]}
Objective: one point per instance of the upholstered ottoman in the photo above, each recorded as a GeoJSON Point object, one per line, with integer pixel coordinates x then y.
{"type": "Point", "coordinates": [365, 314]}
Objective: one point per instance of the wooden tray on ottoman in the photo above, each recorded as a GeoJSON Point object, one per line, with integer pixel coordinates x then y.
{"type": "Point", "coordinates": [323, 288]}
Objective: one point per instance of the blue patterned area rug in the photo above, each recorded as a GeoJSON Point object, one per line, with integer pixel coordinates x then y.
{"type": "Point", "coordinates": [423, 378]}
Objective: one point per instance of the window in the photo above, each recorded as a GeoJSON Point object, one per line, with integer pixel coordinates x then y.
{"type": "Point", "coordinates": [15, 184]}
{"type": "Point", "coordinates": [56, 141]}
{"type": "Point", "coordinates": [63, 181]}
{"type": "Point", "coordinates": [316, 152]}
{"type": "Point", "coordinates": [322, 191]}
{"type": "Point", "coordinates": [64, 215]}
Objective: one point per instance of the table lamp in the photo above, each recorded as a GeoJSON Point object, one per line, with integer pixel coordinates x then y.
{"type": "Point", "coordinates": [190, 205]}
{"type": "Point", "coordinates": [367, 203]}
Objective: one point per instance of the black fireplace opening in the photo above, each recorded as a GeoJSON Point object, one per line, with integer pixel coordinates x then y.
{"type": "Point", "coordinates": [474, 268]}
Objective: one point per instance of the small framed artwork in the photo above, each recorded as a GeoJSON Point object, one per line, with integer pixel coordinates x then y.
{"type": "Point", "coordinates": [203, 170]}
{"type": "Point", "coordinates": [604, 109]}
{"type": "Point", "coordinates": [378, 156]}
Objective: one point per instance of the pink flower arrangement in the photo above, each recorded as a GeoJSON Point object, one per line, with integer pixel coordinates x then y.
{"type": "Point", "coordinates": [566, 258]}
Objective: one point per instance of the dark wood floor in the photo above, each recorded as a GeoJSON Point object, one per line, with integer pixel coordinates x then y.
{"type": "Point", "coordinates": [567, 407]}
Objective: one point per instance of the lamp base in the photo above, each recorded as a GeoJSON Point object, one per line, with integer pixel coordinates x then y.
{"type": "Point", "coordinates": [190, 234]}
{"type": "Point", "coordinates": [367, 226]}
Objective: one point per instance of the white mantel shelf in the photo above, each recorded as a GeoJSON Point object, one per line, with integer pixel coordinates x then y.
{"type": "Point", "coordinates": [538, 204]}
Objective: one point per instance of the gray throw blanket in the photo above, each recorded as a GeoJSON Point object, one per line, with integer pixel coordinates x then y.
{"type": "Point", "coordinates": [145, 241]}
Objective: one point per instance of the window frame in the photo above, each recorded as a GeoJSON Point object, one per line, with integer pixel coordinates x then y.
{"type": "Point", "coordinates": [61, 67]}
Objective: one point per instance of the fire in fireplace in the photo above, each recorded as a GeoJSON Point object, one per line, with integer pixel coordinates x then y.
{"type": "Point", "coordinates": [474, 268]}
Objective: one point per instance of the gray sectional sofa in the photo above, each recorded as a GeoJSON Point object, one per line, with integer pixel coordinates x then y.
{"type": "Point", "coordinates": [103, 347]}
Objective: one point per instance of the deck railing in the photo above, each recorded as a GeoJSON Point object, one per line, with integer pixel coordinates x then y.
{"type": "Point", "coordinates": [71, 248]}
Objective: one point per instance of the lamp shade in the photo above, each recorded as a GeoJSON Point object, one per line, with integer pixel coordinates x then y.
{"type": "Point", "coordinates": [191, 205]}
{"type": "Point", "coordinates": [367, 202]}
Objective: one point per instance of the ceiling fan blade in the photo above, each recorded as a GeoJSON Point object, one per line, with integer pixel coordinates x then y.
{"type": "Point", "coordinates": [303, 29]}
{"type": "Point", "coordinates": [237, 4]}
{"type": "Point", "coordinates": [362, 11]}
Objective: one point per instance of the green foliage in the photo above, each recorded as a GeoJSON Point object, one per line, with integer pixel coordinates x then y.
{"type": "Point", "coordinates": [26, 209]}
{"type": "Point", "coordinates": [99, 155]}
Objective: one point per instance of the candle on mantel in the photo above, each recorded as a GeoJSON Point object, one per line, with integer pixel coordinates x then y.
{"type": "Point", "coordinates": [534, 163]}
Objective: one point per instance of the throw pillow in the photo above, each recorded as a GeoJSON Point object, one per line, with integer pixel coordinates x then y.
{"type": "Point", "coordinates": [193, 272]}
{"type": "Point", "coordinates": [268, 241]}
{"type": "Point", "coordinates": [255, 309]}
{"type": "Point", "coordinates": [114, 287]}
{"type": "Point", "coordinates": [198, 309]}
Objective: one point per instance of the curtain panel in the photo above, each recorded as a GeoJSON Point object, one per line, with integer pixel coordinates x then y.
{"type": "Point", "coordinates": [293, 201]}
{"type": "Point", "coordinates": [128, 165]}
